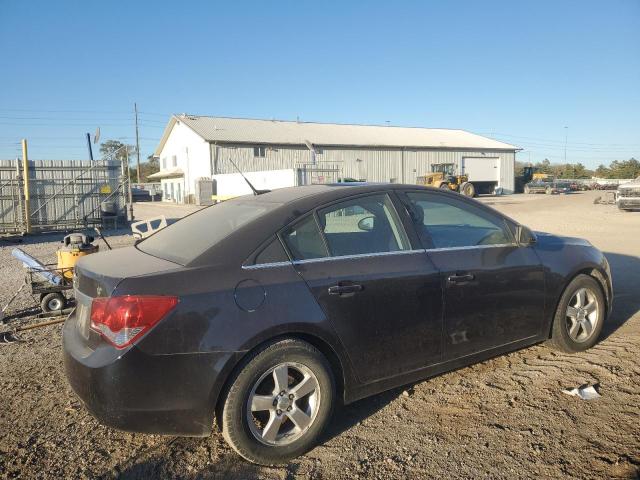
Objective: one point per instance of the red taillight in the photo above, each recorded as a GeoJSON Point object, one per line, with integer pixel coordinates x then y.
{"type": "Point", "coordinates": [121, 320]}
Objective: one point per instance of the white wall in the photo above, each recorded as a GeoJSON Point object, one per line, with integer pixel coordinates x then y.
{"type": "Point", "coordinates": [192, 156]}
{"type": "Point", "coordinates": [232, 184]}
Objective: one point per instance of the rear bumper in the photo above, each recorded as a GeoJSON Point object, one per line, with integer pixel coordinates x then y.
{"type": "Point", "coordinates": [134, 391]}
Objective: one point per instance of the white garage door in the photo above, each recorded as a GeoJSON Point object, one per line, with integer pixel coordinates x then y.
{"type": "Point", "coordinates": [481, 169]}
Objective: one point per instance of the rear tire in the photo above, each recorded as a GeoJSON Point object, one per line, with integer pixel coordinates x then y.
{"type": "Point", "coordinates": [444, 186]}
{"type": "Point", "coordinates": [53, 302]}
{"type": "Point", "coordinates": [266, 426]}
{"type": "Point", "coordinates": [574, 328]}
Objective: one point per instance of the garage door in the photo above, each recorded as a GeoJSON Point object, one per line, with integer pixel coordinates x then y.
{"type": "Point", "coordinates": [481, 169]}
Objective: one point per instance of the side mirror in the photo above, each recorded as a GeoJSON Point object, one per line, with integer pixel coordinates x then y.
{"type": "Point", "coordinates": [366, 223]}
{"type": "Point", "coordinates": [525, 236]}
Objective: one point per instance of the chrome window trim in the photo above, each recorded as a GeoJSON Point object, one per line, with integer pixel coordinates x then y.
{"type": "Point", "coordinates": [356, 256]}
{"type": "Point", "coordinates": [471, 247]}
{"type": "Point", "coordinates": [266, 265]}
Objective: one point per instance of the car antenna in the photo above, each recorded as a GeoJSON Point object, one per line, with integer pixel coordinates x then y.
{"type": "Point", "coordinates": [253, 189]}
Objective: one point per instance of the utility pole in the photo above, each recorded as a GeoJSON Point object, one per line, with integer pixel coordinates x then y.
{"type": "Point", "coordinates": [565, 144]}
{"type": "Point", "coordinates": [27, 197]}
{"type": "Point", "coordinates": [135, 108]}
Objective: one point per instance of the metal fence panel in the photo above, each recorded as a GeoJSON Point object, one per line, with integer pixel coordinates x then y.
{"type": "Point", "coordinates": [63, 194]}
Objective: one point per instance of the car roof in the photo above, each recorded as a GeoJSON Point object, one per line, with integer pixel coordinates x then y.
{"type": "Point", "coordinates": [321, 193]}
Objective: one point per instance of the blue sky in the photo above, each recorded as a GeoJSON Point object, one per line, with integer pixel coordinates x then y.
{"type": "Point", "coordinates": [519, 71]}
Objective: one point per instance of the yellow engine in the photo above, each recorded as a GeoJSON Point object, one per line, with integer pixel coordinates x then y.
{"type": "Point", "coordinates": [76, 245]}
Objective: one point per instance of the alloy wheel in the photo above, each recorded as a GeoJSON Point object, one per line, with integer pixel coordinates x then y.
{"type": "Point", "coordinates": [582, 315]}
{"type": "Point", "coordinates": [283, 404]}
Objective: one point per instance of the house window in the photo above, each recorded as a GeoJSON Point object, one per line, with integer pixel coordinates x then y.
{"type": "Point", "coordinates": [259, 151]}
{"type": "Point", "coordinates": [164, 163]}
{"type": "Point", "coordinates": [319, 151]}
{"type": "Point", "coordinates": [174, 161]}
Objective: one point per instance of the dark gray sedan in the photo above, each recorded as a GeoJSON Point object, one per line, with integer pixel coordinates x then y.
{"type": "Point", "coordinates": [266, 311]}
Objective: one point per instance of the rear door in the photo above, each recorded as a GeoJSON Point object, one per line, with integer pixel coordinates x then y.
{"type": "Point", "coordinates": [383, 297]}
{"type": "Point", "coordinates": [493, 288]}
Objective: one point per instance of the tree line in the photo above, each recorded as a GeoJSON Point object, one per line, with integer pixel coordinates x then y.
{"type": "Point", "coordinates": [616, 169]}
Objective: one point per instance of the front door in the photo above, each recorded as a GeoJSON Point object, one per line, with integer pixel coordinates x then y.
{"type": "Point", "coordinates": [494, 289]}
{"type": "Point", "coordinates": [383, 298]}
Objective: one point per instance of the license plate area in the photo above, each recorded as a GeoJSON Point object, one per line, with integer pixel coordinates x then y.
{"type": "Point", "coordinates": [83, 315]}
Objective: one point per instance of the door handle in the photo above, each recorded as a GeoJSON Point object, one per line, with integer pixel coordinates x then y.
{"type": "Point", "coordinates": [460, 278]}
{"type": "Point", "coordinates": [345, 289]}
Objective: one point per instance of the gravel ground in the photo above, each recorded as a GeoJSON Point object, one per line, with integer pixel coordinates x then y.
{"type": "Point", "coordinates": [503, 418]}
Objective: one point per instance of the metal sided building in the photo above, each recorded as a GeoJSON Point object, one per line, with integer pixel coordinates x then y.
{"type": "Point", "coordinates": [275, 153]}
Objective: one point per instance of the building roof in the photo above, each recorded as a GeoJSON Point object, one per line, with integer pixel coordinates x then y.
{"type": "Point", "coordinates": [280, 132]}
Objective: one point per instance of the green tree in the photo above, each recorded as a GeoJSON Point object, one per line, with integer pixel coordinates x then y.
{"type": "Point", "coordinates": [114, 149]}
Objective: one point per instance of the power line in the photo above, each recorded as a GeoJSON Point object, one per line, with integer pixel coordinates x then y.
{"type": "Point", "coordinates": [559, 142]}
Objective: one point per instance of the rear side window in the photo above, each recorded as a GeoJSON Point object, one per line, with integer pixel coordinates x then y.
{"type": "Point", "coordinates": [304, 241]}
{"type": "Point", "coordinates": [188, 238]}
{"type": "Point", "coordinates": [272, 253]}
{"type": "Point", "coordinates": [444, 222]}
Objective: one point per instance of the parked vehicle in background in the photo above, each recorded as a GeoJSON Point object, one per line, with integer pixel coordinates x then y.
{"type": "Point", "coordinates": [548, 187]}
{"type": "Point", "coordinates": [265, 311]}
{"type": "Point", "coordinates": [628, 195]}
{"type": "Point", "coordinates": [605, 186]}
{"type": "Point", "coordinates": [140, 195]}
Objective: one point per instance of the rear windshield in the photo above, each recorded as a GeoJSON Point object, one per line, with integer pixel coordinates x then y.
{"type": "Point", "coordinates": [188, 238]}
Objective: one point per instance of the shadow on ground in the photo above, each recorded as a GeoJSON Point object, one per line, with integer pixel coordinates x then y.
{"type": "Point", "coordinates": [625, 271]}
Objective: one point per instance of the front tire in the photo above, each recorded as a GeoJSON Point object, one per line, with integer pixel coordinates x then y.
{"type": "Point", "coordinates": [468, 190]}
{"type": "Point", "coordinates": [579, 317]}
{"type": "Point", "coordinates": [279, 403]}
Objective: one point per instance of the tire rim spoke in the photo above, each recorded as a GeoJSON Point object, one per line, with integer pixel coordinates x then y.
{"type": "Point", "coordinates": [272, 428]}
{"type": "Point", "coordinates": [281, 378]}
{"type": "Point", "coordinates": [580, 297]}
{"type": "Point", "coordinates": [261, 403]}
{"type": "Point", "coordinates": [574, 329]}
{"type": "Point", "coordinates": [587, 327]}
{"type": "Point", "coordinates": [305, 387]}
{"type": "Point", "coordinates": [572, 312]}
{"type": "Point", "coordinates": [299, 418]}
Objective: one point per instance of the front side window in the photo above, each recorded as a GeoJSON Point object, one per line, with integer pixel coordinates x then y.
{"type": "Point", "coordinates": [304, 240]}
{"type": "Point", "coordinates": [363, 225]}
{"type": "Point", "coordinates": [444, 222]}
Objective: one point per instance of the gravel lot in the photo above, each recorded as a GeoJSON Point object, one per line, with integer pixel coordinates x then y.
{"type": "Point", "coordinates": [503, 418]}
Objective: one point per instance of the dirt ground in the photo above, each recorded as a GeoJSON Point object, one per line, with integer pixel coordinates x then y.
{"type": "Point", "coordinates": [503, 418]}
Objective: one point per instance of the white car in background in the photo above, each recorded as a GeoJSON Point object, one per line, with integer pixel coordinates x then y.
{"type": "Point", "coordinates": [628, 196]}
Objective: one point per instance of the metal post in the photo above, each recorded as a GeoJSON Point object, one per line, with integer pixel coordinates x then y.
{"type": "Point", "coordinates": [89, 146]}
{"type": "Point", "coordinates": [25, 175]}
{"type": "Point", "coordinates": [129, 187]}
{"type": "Point", "coordinates": [135, 107]}
{"type": "Point", "coordinates": [565, 144]}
